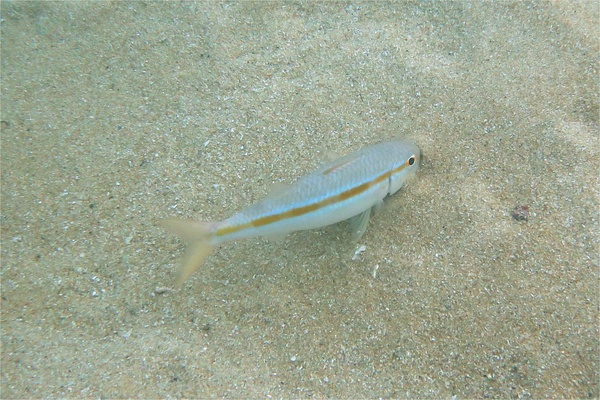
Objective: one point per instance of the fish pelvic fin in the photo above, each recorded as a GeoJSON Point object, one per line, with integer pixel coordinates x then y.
{"type": "Point", "coordinates": [198, 235]}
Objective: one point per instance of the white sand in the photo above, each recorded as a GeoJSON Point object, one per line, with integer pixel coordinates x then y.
{"type": "Point", "coordinates": [115, 115]}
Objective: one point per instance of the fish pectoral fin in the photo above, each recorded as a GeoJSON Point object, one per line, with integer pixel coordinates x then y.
{"type": "Point", "coordinates": [359, 223]}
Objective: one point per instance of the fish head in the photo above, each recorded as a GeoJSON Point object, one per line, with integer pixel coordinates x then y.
{"type": "Point", "coordinates": [408, 159]}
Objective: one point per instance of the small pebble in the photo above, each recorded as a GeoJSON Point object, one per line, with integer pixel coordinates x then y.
{"type": "Point", "coordinates": [162, 290]}
{"type": "Point", "coordinates": [375, 268]}
{"type": "Point", "coordinates": [358, 252]}
{"type": "Point", "coordinates": [521, 213]}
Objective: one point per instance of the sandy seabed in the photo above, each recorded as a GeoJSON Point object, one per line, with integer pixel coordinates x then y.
{"type": "Point", "coordinates": [115, 115]}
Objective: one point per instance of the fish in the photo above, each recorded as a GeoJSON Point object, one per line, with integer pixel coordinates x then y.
{"type": "Point", "coordinates": [346, 188]}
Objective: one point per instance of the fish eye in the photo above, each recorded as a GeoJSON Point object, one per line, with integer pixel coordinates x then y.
{"type": "Point", "coordinates": [411, 160]}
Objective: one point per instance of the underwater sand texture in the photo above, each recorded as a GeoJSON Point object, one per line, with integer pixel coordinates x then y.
{"type": "Point", "coordinates": [115, 115]}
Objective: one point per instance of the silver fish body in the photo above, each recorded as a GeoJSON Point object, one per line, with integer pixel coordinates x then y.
{"type": "Point", "coordinates": [348, 187]}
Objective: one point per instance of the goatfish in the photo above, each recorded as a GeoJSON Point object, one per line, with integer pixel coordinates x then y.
{"type": "Point", "coordinates": [347, 188]}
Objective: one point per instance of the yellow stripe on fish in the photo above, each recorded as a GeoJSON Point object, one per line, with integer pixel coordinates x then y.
{"type": "Point", "coordinates": [348, 187]}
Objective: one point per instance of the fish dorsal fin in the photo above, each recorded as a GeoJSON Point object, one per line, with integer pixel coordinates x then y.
{"type": "Point", "coordinates": [277, 188]}
{"type": "Point", "coordinates": [338, 164]}
{"type": "Point", "coordinates": [325, 155]}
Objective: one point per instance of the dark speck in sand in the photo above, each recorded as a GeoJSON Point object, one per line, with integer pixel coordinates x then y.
{"type": "Point", "coordinates": [521, 213]}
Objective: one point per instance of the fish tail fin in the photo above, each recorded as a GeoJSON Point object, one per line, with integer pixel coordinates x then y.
{"type": "Point", "coordinates": [198, 235]}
